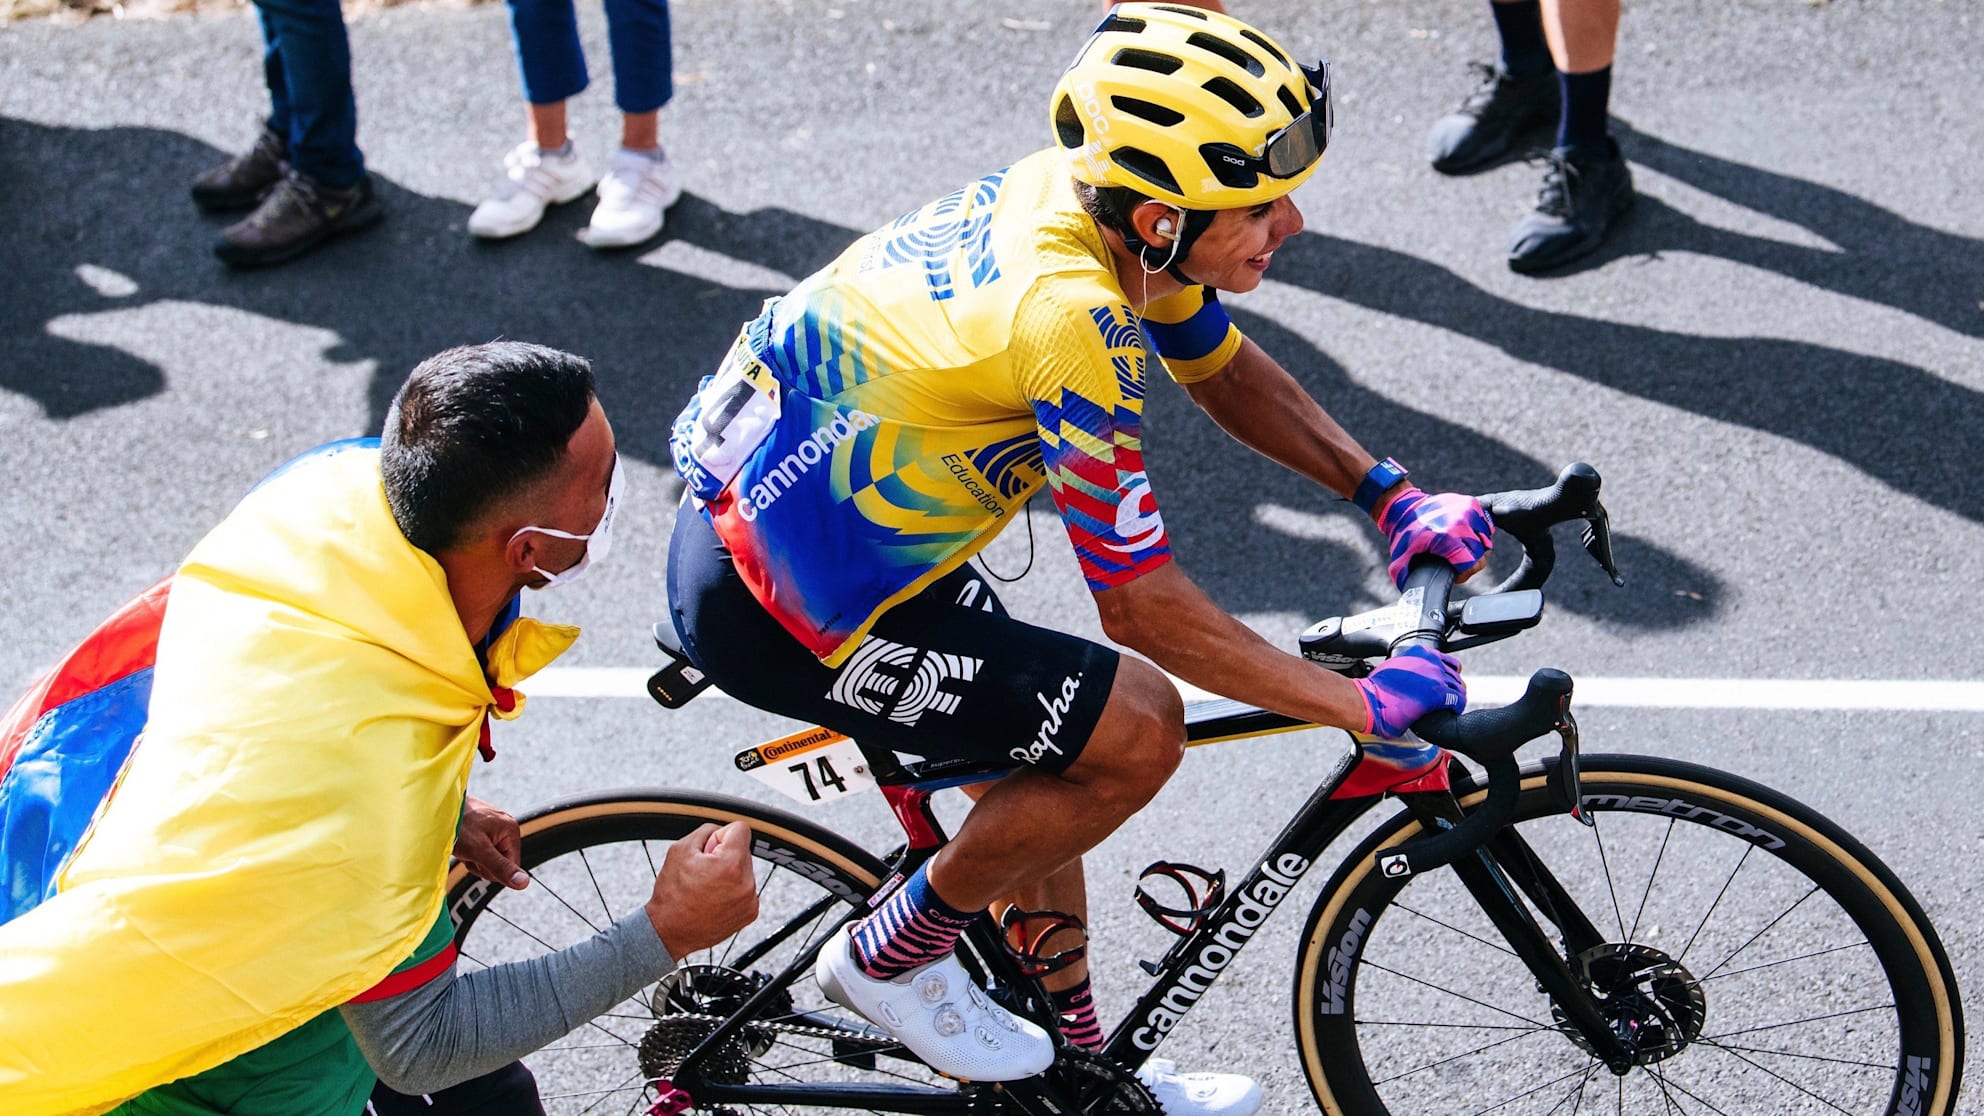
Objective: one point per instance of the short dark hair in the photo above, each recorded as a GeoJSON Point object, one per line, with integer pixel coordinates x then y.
{"type": "Point", "coordinates": [472, 426]}
{"type": "Point", "coordinates": [1111, 207]}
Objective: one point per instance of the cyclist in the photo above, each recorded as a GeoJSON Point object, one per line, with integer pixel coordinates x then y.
{"type": "Point", "coordinates": [876, 426]}
{"type": "Point", "coordinates": [253, 923]}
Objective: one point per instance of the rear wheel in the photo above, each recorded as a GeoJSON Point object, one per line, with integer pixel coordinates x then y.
{"type": "Point", "coordinates": [594, 860]}
{"type": "Point", "coordinates": [1759, 959]}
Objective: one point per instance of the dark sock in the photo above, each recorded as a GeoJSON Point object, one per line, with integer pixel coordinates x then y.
{"type": "Point", "coordinates": [1525, 52]}
{"type": "Point", "coordinates": [1076, 1009]}
{"type": "Point", "coordinates": [913, 927]}
{"type": "Point", "coordinates": [1587, 100]}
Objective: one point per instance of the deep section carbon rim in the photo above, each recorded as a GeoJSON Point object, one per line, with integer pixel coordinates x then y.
{"type": "Point", "coordinates": [595, 861]}
{"type": "Point", "coordinates": [1759, 960]}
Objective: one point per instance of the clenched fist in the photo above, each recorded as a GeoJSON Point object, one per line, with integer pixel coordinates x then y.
{"type": "Point", "coordinates": [706, 891]}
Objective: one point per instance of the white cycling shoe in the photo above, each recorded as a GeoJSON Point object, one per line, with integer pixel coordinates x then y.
{"type": "Point", "coordinates": [1199, 1094]}
{"type": "Point", "coordinates": [940, 1014]}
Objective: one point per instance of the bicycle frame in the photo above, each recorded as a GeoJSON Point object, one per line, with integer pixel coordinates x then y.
{"type": "Point", "coordinates": [1495, 876]}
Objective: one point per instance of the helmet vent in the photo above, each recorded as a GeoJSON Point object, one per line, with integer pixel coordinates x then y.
{"type": "Point", "coordinates": [1146, 166]}
{"type": "Point", "coordinates": [1233, 95]}
{"type": "Point", "coordinates": [1157, 114]}
{"type": "Point", "coordinates": [1290, 102]}
{"type": "Point", "coordinates": [1068, 123]}
{"type": "Point", "coordinates": [1147, 60]}
{"type": "Point", "coordinates": [1265, 45]}
{"type": "Point", "coordinates": [1114, 22]}
{"type": "Point", "coordinates": [1193, 12]}
{"type": "Point", "coordinates": [1213, 44]}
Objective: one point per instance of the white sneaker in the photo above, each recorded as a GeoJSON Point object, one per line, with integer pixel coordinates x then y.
{"type": "Point", "coordinates": [1199, 1094]}
{"type": "Point", "coordinates": [632, 196]}
{"type": "Point", "coordinates": [940, 1014]}
{"type": "Point", "coordinates": [532, 180]}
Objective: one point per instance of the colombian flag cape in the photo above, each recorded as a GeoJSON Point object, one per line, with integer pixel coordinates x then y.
{"type": "Point", "coordinates": [278, 840]}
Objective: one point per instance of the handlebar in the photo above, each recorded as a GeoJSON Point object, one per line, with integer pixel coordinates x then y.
{"type": "Point", "coordinates": [1491, 737]}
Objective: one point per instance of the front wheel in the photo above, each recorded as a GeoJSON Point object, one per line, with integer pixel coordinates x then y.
{"type": "Point", "coordinates": [594, 860]}
{"type": "Point", "coordinates": [1759, 959]}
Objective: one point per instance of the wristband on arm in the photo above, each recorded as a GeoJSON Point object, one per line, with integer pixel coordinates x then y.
{"type": "Point", "coordinates": [1376, 483]}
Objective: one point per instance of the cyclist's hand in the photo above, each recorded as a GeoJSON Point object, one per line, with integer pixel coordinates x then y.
{"type": "Point", "coordinates": [489, 844]}
{"type": "Point", "coordinates": [1408, 686]}
{"type": "Point", "coordinates": [706, 891]}
{"type": "Point", "coordinates": [1449, 526]}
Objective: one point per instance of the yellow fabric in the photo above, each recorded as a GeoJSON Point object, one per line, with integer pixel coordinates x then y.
{"type": "Point", "coordinates": [280, 838]}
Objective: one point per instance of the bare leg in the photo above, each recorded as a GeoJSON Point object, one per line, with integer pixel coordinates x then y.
{"type": "Point", "coordinates": [547, 125]}
{"type": "Point", "coordinates": [1065, 891]}
{"type": "Point", "coordinates": [1030, 829]}
{"type": "Point", "coordinates": [640, 131]}
{"type": "Point", "coordinates": [1582, 33]}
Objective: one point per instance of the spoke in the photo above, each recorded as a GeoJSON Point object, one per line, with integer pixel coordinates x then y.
{"type": "Point", "coordinates": [1367, 963]}
{"type": "Point", "coordinates": [1706, 915]}
{"type": "Point", "coordinates": [620, 1088]}
{"type": "Point", "coordinates": [1605, 864]}
{"type": "Point", "coordinates": [1885, 1067]}
{"type": "Point", "coordinates": [1767, 928]}
{"type": "Point", "coordinates": [1685, 1091]}
{"type": "Point", "coordinates": [594, 877]}
{"type": "Point", "coordinates": [505, 919]}
{"type": "Point", "coordinates": [1651, 876]}
{"type": "Point", "coordinates": [1449, 926]}
{"type": "Point", "coordinates": [731, 945]}
{"type": "Point", "coordinates": [641, 1089]}
{"type": "Point", "coordinates": [1753, 1062]}
{"type": "Point", "coordinates": [549, 890]}
{"type": "Point", "coordinates": [1889, 1006]}
{"type": "Point", "coordinates": [1457, 1026]}
{"type": "Point", "coordinates": [1457, 1057]}
{"type": "Point", "coordinates": [1530, 1092]}
{"type": "Point", "coordinates": [1586, 1079]}
{"type": "Point", "coordinates": [1786, 961]}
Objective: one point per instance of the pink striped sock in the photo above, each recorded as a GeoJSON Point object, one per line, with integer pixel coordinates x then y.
{"type": "Point", "coordinates": [913, 927]}
{"type": "Point", "coordinates": [1076, 1009]}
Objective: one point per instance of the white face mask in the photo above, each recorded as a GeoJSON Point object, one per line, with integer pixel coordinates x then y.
{"type": "Point", "coordinates": [599, 542]}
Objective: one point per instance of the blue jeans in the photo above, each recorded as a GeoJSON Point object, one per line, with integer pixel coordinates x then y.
{"type": "Point", "coordinates": [554, 65]}
{"type": "Point", "coordinates": [308, 65]}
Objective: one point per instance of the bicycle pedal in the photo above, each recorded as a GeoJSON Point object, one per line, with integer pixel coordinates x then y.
{"type": "Point", "coordinates": [1203, 892]}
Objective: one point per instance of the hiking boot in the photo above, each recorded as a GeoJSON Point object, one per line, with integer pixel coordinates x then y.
{"type": "Point", "coordinates": [632, 198]}
{"type": "Point", "coordinates": [533, 180]}
{"type": "Point", "coordinates": [1585, 192]}
{"type": "Point", "coordinates": [297, 216]}
{"type": "Point", "coordinates": [1494, 116]}
{"type": "Point", "coordinates": [1199, 1094]}
{"type": "Point", "coordinates": [243, 181]}
{"type": "Point", "coordinates": [939, 1013]}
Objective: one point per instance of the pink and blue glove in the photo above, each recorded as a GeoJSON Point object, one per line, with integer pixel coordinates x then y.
{"type": "Point", "coordinates": [1408, 686]}
{"type": "Point", "coordinates": [1448, 526]}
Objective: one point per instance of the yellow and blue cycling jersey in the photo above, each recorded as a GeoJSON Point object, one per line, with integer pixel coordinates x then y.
{"type": "Point", "coordinates": [878, 425]}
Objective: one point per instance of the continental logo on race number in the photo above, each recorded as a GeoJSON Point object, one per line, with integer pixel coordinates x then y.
{"type": "Point", "coordinates": [785, 747]}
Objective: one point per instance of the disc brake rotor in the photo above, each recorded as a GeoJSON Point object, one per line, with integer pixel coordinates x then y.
{"type": "Point", "coordinates": [1653, 1004]}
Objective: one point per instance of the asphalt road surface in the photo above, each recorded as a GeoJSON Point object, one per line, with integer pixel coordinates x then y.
{"type": "Point", "coordinates": [1778, 365]}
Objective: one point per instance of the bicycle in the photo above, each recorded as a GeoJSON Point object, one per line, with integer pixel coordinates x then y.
{"type": "Point", "coordinates": [1767, 962]}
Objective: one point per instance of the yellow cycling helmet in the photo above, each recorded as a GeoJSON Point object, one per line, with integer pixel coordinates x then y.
{"type": "Point", "coordinates": [1190, 107]}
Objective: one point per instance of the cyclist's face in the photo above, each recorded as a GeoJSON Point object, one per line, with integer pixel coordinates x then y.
{"type": "Point", "coordinates": [1236, 248]}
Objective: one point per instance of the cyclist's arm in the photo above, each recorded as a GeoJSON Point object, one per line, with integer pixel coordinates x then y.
{"type": "Point", "coordinates": [457, 1026]}
{"type": "Point", "coordinates": [1254, 399]}
{"type": "Point", "coordinates": [1164, 616]}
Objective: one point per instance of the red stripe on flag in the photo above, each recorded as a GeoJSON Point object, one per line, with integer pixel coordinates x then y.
{"type": "Point", "coordinates": [119, 647]}
{"type": "Point", "coordinates": [407, 980]}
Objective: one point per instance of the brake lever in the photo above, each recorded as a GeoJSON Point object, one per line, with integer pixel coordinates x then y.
{"type": "Point", "coordinates": [1598, 541]}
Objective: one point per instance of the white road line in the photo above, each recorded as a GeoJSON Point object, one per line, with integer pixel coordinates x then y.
{"type": "Point", "coordinates": [1821, 694]}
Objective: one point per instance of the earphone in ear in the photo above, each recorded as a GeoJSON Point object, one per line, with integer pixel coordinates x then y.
{"type": "Point", "coordinates": [1164, 224]}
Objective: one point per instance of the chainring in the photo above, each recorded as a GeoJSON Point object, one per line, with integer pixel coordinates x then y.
{"type": "Point", "coordinates": [1103, 1087]}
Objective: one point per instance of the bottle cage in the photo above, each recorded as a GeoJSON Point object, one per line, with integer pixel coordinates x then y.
{"type": "Point", "coordinates": [1203, 893]}
{"type": "Point", "coordinates": [1026, 935]}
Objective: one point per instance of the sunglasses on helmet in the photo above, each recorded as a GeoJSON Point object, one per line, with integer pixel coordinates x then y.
{"type": "Point", "coordinates": [1290, 150]}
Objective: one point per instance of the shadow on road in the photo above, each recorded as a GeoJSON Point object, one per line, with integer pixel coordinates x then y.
{"type": "Point", "coordinates": [419, 284]}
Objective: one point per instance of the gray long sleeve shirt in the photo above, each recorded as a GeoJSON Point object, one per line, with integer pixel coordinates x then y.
{"type": "Point", "coordinates": [458, 1026]}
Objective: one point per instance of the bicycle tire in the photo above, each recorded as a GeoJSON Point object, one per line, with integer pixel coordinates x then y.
{"type": "Point", "coordinates": [1482, 1038]}
{"type": "Point", "coordinates": [594, 858]}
